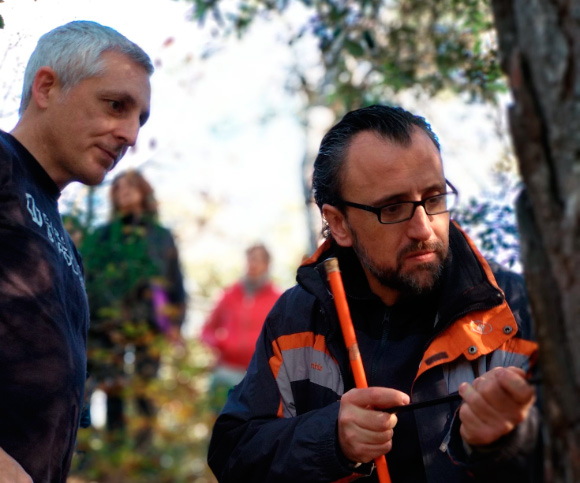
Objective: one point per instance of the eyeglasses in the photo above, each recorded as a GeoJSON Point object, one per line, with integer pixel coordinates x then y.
{"type": "Point", "coordinates": [404, 210]}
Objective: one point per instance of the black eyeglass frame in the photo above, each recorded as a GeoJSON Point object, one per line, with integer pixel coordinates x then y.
{"type": "Point", "coordinates": [377, 209]}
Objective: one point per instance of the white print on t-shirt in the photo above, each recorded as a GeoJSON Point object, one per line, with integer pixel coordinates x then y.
{"type": "Point", "coordinates": [54, 236]}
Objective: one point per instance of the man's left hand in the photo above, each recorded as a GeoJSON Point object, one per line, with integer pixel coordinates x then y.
{"type": "Point", "coordinates": [494, 405]}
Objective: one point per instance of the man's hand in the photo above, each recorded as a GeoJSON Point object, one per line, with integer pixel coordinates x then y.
{"type": "Point", "coordinates": [494, 405]}
{"type": "Point", "coordinates": [11, 471]}
{"type": "Point", "coordinates": [363, 433]}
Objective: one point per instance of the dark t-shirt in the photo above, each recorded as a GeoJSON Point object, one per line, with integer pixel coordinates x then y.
{"type": "Point", "coordinates": [43, 320]}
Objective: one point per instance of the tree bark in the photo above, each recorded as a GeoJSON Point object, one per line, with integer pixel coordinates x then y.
{"type": "Point", "coordinates": [539, 43]}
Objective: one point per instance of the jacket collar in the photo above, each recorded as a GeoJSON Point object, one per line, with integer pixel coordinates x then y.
{"type": "Point", "coordinates": [473, 316]}
{"type": "Point", "coordinates": [476, 319]}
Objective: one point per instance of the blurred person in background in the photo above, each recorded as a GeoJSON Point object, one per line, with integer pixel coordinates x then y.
{"type": "Point", "coordinates": [137, 299]}
{"type": "Point", "coordinates": [74, 227]}
{"type": "Point", "coordinates": [85, 96]}
{"type": "Point", "coordinates": [235, 323]}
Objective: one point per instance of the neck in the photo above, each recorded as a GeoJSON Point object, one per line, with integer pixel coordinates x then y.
{"type": "Point", "coordinates": [133, 213]}
{"type": "Point", "coordinates": [253, 284]}
{"type": "Point", "coordinates": [389, 296]}
{"type": "Point", "coordinates": [29, 134]}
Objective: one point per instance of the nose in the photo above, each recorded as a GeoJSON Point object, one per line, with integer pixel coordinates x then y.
{"type": "Point", "coordinates": [127, 131]}
{"type": "Point", "coordinates": [419, 226]}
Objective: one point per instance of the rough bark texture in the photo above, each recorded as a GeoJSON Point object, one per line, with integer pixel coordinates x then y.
{"type": "Point", "coordinates": [540, 49]}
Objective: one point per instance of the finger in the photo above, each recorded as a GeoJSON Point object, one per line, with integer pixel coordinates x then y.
{"type": "Point", "coordinates": [473, 431]}
{"type": "Point", "coordinates": [362, 435]}
{"type": "Point", "coordinates": [498, 370]}
{"type": "Point", "coordinates": [494, 396]}
{"type": "Point", "coordinates": [479, 407]}
{"type": "Point", "coordinates": [362, 444]}
{"type": "Point", "coordinates": [481, 429]}
{"type": "Point", "coordinates": [371, 452]}
{"type": "Point", "coordinates": [517, 370]}
{"type": "Point", "coordinates": [368, 418]}
{"type": "Point", "coordinates": [486, 421]}
{"type": "Point", "coordinates": [365, 453]}
{"type": "Point", "coordinates": [376, 421]}
{"type": "Point", "coordinates": [516, 386]}
{"type": "Point", "coordinates": [379, 397]}
{"type": "Point", "coordinates": [375, 437]}
{"type": "Point", "coordinates": [364, 417]}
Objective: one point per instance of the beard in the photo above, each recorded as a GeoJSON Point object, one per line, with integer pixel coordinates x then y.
{"type": "Point", "coordinates": [424, 277]}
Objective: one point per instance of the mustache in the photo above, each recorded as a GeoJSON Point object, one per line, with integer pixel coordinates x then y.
{"type": "Point", "coordinates": [432, 246]}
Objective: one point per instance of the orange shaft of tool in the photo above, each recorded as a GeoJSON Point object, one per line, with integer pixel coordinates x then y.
{"type": "Point", "coordinates": [360, 379]}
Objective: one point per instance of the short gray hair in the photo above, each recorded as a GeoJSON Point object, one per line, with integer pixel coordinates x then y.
{"type": "Point", "coordinates": [74, 52]}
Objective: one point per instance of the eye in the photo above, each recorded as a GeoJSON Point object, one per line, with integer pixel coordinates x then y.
{"type": "Point", "coordinates": [115, 105]}
{"type": "Point", "coordinates": [435, 202]}
{"type": "Point", "coordinates": [393, 209]}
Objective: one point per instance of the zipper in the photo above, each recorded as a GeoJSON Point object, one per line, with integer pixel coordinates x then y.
{"type": "Point", "coordinates": [382, 344]}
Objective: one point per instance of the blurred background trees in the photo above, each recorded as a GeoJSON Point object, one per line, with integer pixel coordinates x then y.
{"type": "Point", "coordinates": [177, 453]}
{"type": "Point", "coordinates": [375, 51]}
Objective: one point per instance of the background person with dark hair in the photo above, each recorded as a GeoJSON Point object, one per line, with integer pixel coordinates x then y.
{"type": "Point", "coordinates": [431, 315]}
{"type": "Point", "coordinates": [136, 295]}
{"type": "Point", "coordinates": [86, 94]}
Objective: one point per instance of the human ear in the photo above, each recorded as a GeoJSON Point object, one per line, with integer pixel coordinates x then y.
{"type": "Point", "coordinates": [338, 226]}
{"type": "Point", "coordinates": [44, 85]}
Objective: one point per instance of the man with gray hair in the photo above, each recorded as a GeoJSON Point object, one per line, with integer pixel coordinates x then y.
{"type": "Point", "coordinates": [86, 94]}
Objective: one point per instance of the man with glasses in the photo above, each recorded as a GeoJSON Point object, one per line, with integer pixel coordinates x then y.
{"type": "Point", "coordinates": [432, 318]}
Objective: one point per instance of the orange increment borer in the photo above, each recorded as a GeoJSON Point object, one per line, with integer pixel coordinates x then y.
{"type": "Point", "coordinates": [337, 288]}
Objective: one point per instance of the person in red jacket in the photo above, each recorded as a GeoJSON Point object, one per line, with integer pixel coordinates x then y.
{"type": "Point", "coordinates": [236, 321]}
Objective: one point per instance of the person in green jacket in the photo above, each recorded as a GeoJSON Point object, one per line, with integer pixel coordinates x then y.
{"type": "Point", "coordinates": [136, 295]}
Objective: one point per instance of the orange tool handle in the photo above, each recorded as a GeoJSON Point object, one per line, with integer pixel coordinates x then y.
{"type": "Point", "coordinates": [360, 379]}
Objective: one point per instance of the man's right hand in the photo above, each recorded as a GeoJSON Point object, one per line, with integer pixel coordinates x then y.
{"type": "Point", "coordinates": [11, 471]}
{"type": "Point", "coordinates": [363, 433]}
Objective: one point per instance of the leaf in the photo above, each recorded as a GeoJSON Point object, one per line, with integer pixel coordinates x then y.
{"type": "Point", "coordinates": [369, 39]}
{"type": "Point", "coordinates": [354, 48]}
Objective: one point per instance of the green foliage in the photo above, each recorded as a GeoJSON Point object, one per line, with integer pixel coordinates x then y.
{"type": "Point", "coordinates": [177, 452]}
{"type": "Point", "coordinates": [117, 262]}
{"type": "Point", "coordinates": [371, 49]}
{"type": "Point", "coordinates": [491, 222]}
{"type": "Point", "coordinates": [125, 348]}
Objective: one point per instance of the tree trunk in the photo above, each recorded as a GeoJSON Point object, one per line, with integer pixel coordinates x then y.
{"type": "Point", "coordinates": [539, 42]}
